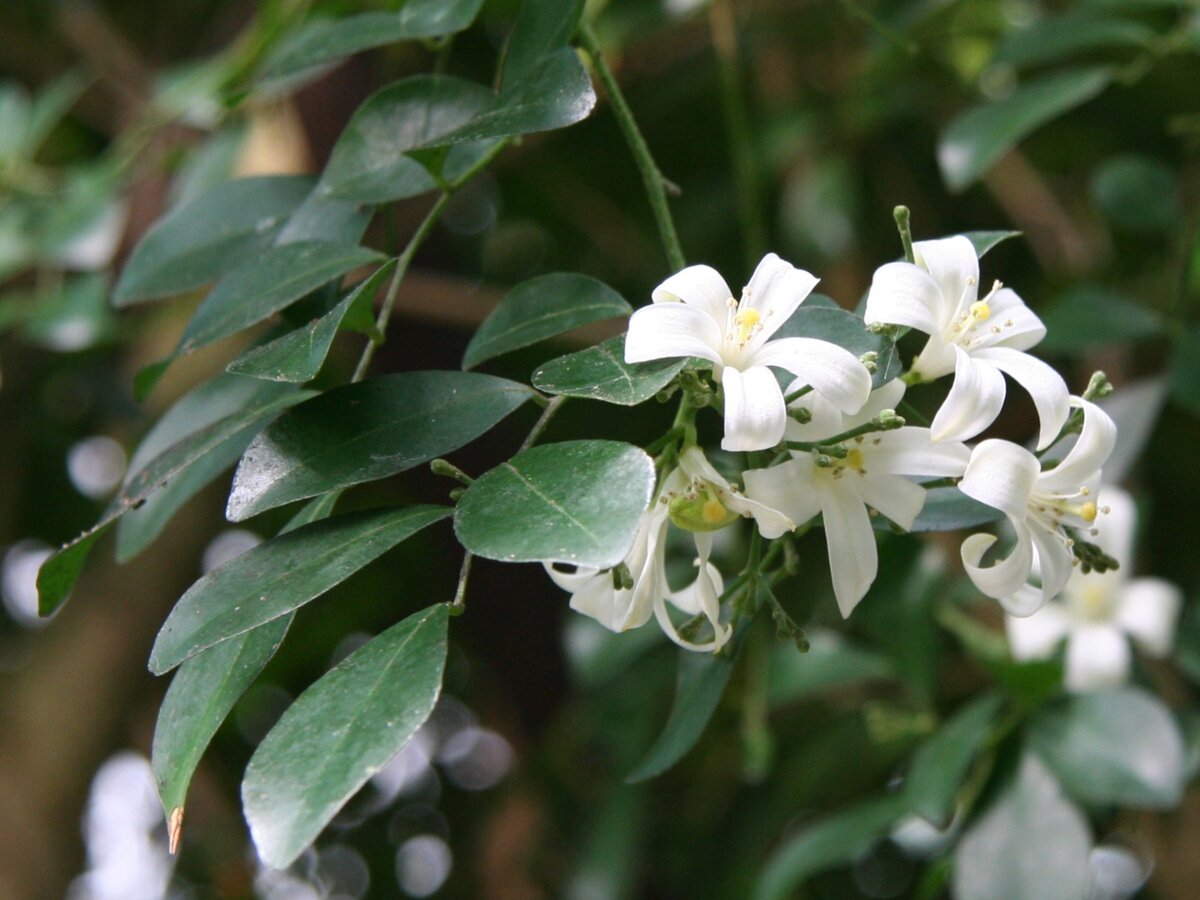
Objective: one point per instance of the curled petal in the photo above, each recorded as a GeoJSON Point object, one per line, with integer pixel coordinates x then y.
{"type": "Point", "coordinates": [897, 498]}
{"type": "Point", "coordinates": [787, 487]}
{"type": "Point", "coordinates": [912, 451]}
{"type": "Point", "coordinates": [1004, 580]}
{"type": "Point", "coordinates": [1036, 636]}
{"type": "Point", "coordinates": [1044, 385]}
{"type": "Point", "coordinates": [667, 330]}
{"type": "Point", "coordinates": [613, 609]}
{"type": "Point", "coordinates": [755, 415]}
{"type": "Point", "coordinates": [701, 287]}
{"type": "Point", "coordinates": [853, 557]}
{"type": "Point", "coordinates": [1082, 464]}
{"type": "Point", "coordinates": [570, 581]}
{"type": "Point", "coordinates": [903, 294]}
{"type": "Point", "coordinates": [1054, 557]}
{"type": "Point", "coordinates": [1148, 611]}
{"type": "Point", "coordinates": [1026, 329]}
{"type": "Point", "coordinates": [775, 290]}
{"type": "Point", "coordinates": [954, 266]}
{"type": "Point", "coordinates": [1097, 657]}
{"type": "Point", "coordinates": [974, 400]}
{"type": "Point", "coordinates": [833, 371]}
{"type": "Point", "coordinates": [704, 596]}
{"type": "Point", "coordinates": [1002, 475]}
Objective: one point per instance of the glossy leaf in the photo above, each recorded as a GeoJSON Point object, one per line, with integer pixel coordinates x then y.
{"type": "Point", "coordinates": [59, 572]}
{"type": "Point", "coordinates": [280, 575]}
{"type": "Point", "coordinates": [1087, 316]}
{"type": "Point", "coordinates": [942, 762]}
{"type": "Point", "coordinates": [977, 139]}
{"type": "Point", "coordinates": [324, 218]}
{"type": "Point", "coordinates": [835, 840]}
{"type": "Point", "coordinates": [948, 509]}
{"type": "Point", "coordinates": [1053, 40]}
{"type": "Point", "coordinates": [1120, 747]}
{"type": "Point", "coordinates": [541, 27]}
{"type": "Point", "coordinates": [983, 241]}
{"type": "Point", "coordinates": [838, 326]}
{"type": "Point", "coordinates": [601, 373]}
{"type": "Point", "coordinates": [576, 502]}
{"type": "Point", "coordinates": [341, 731]}
{"type": "Point", "coordinates": [298, 355]}
{"type": "Point", "coordinates": [200, 241]}
{"type": "Point", "coordinates": [542, 308]}
{"type": "Point", "coordinates": [698, 689]}
{"type": "Point", "coordinates": [1031, 842]}
{"type": "Point", "coordinates": [326, 41]}
{"type": "Point", "coordinates": [362, 432]}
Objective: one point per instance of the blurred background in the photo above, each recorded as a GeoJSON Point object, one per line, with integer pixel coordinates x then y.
{"type": "Point", "coordinates": [786, 125]}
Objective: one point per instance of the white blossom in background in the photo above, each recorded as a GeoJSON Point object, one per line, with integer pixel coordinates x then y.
{"type": "Point", "coordinates": [694, 314]}
{"type": "Point", "coordinates": [1099, 614]}
{"type": "Point", "coordinates": [1040, 505]}
{"type": "Point", "coordinates": [978, 339]}
{"type": "Point", "coordinates": [699, 499]}
{"type": "Point", "coordinates": [870, 476]}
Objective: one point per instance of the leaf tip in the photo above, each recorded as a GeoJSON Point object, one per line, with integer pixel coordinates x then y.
{"type": "Point", "coordinates": [174, 830]}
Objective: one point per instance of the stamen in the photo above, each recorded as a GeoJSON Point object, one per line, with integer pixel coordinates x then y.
{"type": "Point", "coordinates": [713, 512]}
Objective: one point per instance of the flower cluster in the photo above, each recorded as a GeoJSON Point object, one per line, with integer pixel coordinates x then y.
{"type": "Point", "coordinates": [829, 448]}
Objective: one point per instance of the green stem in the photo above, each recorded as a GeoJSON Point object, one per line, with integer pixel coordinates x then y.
{"type": "Point", "coordinates": [797, 394]}
{"type": "Point", "coordinates": [652, 177]}
{"type": "Point", "coordinates": [866, 428]}
{"type": "Point", "coordinates": [903, 225]}
{"type": "Point", "coordinates": [539, 426]}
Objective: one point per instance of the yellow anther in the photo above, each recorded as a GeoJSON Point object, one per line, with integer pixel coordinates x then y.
{"type": "Point", "coordinates": [980, 311]}
{"type": "Point", "coordinates": [1087, 512]}
{"type": "Point", "coordinates": [713, 512]}
{"type": "Point", "coordinates": [854, 459]}
{"type": "Point", "coordinates": [745, 321]}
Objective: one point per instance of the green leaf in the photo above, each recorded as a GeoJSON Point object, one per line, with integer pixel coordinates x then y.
{"type": "Point", "coordinates": [1137, 193]}
{"type": "Point", "coordinates": [1120, 747]}
{"type": "Point", "coordinates": [1032, 843]}
{"type": "Point", "coordinates": [279, 575]}
{"type": "Point", "coordinates": [215, 233]}
{"type": "Point", "coordinates": [830, 661]}
{"type": "Point", "coordinates": [948, 509]}
{"type": "Point", "coordinates": [835, 840]}
{"type": "Point", "coordinates": [601, 373]}
{"type": "Point", "coordinates": [340, 731]}
{"type": "Point", "coordinates": [541, 27]}
{"type": "Point", "coordinates": [1090, 315]}
{"type": "Point", "coordinates": [983, 241]}
{"type": "Point", "coordinates": [974, 141]}
{"type": "Point", "coordinates": [60, 571]}
{"type": "Point", "coordinates": [1056, 39]}
{"type": "Point", "coordinates": [298, 355]}
{"type": "Point", "coordinates": [1185, 371]}
{"type": "Point", "coordinates": [362, 432]}
{"type": "Point", "coordinates": [576, 502]}
{"type": "Point", "coordinates": [942, 762]}
{"type": "Point", "coordinates": [277, 277]}
{"type": "Point", "coordinates": [698, 689]}
{"type": "Point", "coordinates": [201, 695]}
{"type": "Point", "coordinates": [542, 308]}
{"type": "Point", "coordinates": [844, 328]}
{"type": "Point", "coordinates": [324, 218]}
{"type": "Point", "coordinates": [326, 41]}
{"type": "Point", "coordinates": [49, 108]}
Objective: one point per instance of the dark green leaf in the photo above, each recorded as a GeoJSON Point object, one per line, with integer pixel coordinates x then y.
{"type": "Point", "coordinates": [201, 695]}
{"type": "Point", "coordinates": [362, 432]}
{"type": "Point", "coordinates": [275, 278]}
{"type": "Point", "coordinates": [1032, 843]}
{"type": "Point", "coordinates": [215, 233]}
{"type": "Point", "coordinates": [542, 26]}
{"type": "Point", "coordinates": [942, 762]}
{"type": "Point", "coordinates": [1137, 193]}
{"type": "Point", "coordinates": [1056, 39]}
{"type": "Point", "coordinates": [698, 689]}
{"type": "Point", "coordinates": [948, 509]}
{"type": "Point", "coordinates": [298, 355]}
{"type": "Point", "coordinates": [1089, 315]}
{"type": "Point", "coordinates": [983, 241]}
{"type": "Point", "coordinates": [49, 107]}
{"type": "Point", "coordinates": [838, 326]}
{"type": "Point", "coordinates": [340, 731]}
{"type": "Point", "coordinates": [324, 218]}
{"type": "Point", "coordinates": [974, 141]}
{"type": "Point", "coordinates": [1185, 371]}
{"type": "Point", "coordinates": [835, 840]}
{"type": "Point", "coordinates": [542, 308]}
{"type": "Point", "coordinates": [601, 373]}
{"type": "Point", "coordinates": [280, 575]}
{"type": "Point", "coordinates": [576, 502]}
{"type": "Point", "coordinates": [1120, 747]}
{"type": "Point", "coordinates": [830, 661]}
{"type": "Point", "coordinates": [326, 41]}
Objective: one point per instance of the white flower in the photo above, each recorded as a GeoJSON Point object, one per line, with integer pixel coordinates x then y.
{"type": "Point", "coordinates": [1099, 613]}
{"type": "Point", "coordinates": [697, 495]}
{"type": "Point", "coordinates": [1040, 505]}
{"type": "Point", "coordinates": [869, 476]}
{"type": "Point", "coordinates": [977, 340]}
{"type": "Point", "coordinates": [694, 314]}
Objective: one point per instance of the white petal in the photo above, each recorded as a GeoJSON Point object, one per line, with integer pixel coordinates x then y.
{"type": "Point", "coordinates": [787, 487]}
{"type": "Point", "coordinates": [1004, 579]}
{"type": "Point", "coordinates": [667, 330]}
{"type": "Point", "coordinates": [1026, 601]}
{"type": "Point", "coordinates": [1026, 330]}
{"type": "Point", "coordinates": [1056, 562]}
{"type": "Point", "coordinates": [1002, 475]}
{"type": "Point", "coordinates": [701, 287]}
{"type": "Point", "coordinates": [903, 294]}
{"type": "Point", "coordinates": [826, 419]}
{"type": "Point", "coordinates": [650, 579]}
{"type": "Point", "coordinates": [705, 597]}
{"type": "Point", "coordinates": [771, 522]}
{"type": "Point", "coordinates": [935, 359]}
{"type": "Point", "coordinates": [912, 451]}
{"type": "Point", "coordinates": [853, 558]}
{"type": "Point", "coordinates": [613, 609]}
{"type": "Point", "coordinates": [1148, 610]}
{"type": "Point", "coordinates": [974, 400]}
{"type": "Point", "coordinates": [833, 371]}
{"type": "Point", "coordinates": [1097, 657]}
{"type": "Point", "coordinates": [754, 412]}
{"type": "Point", "coordinates": [954, 266]}
{"type": "Point", "coordinates": [775, 290]}
{"type": "Point", "coordinates": [1117, 527]}
{"type": "Point", "coordinates": [1082, 464]}
{"type": "Point", "coordinates": [1044, 384]}
{"type": "Point", "coordinates": [893, 496]}
{"type": "Point", "coordinates": [694, 464]}
{"type": "Point", "coordinates": [570, 581]}
{"type": "Point", "coordinates": [1036, 636]}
